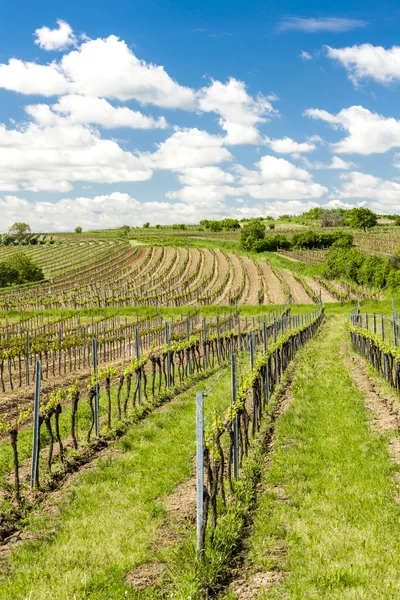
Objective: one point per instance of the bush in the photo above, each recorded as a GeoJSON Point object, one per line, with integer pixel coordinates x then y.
{"type": "Point", "coordinates": [251, 232]}
{"type": "Point", "coordinates": [312, 239]}
{"type": "Point", "coordinates": [19, 268]}
{"type": "Point", "coordinates": [271, 243]}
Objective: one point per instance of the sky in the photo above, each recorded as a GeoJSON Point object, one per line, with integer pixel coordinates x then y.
{"type": "Point", "coordinates": [171, 112]}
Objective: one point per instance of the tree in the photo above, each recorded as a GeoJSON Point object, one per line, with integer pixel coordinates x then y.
{"type": "Point", "coordinates": [331, 218]}
{"type": "Point", "coordinates": [362, 218]}
{"type": "Point", "coordinates": [19, 230]}
{"type": "Point", "coordinates": [251, 232]}
{"type": "Point", "coordinates": [8, 275]}
{"type": "Point", "coordinates": [26, 268]}
{"type": "Point", "coordinates": [19, 268]}
{"type": "Point", "coordinates": [78, 229]}
{"type": "Point", "coordinates": [146, 225]}
{"type": "Point", "coordinates": [125, 230]}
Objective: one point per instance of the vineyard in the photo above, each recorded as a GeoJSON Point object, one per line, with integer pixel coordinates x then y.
{"type": "Point", "coordinates": [201, 400]}
{"type": "Point", "coordinates": [158, 276]}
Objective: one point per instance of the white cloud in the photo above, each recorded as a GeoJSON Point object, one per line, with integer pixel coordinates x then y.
{"type": "Point", "coordinates": [89, 109]}
{"type": "Point", "coordinates": [277, 178]}
{"type": "Point", "coordinates": [383, 194]}
{"type": "Point", "coordinates": [240, 113]}
{"type": "Point", "coordinates": [312, 25]}
{"type": "Point", "coordinates": [336, 163]}
{"type": "Point", "coordinates": [108, 68]}
{"type": "Point", "coordinates": [369, 132]}
{"type": "Point", "coordinates": [49, 156]}
{"type": "Point", "coordinates": [103, 211]}
{"type": "Point", "coordinates": [289, 189]}
{"type": "Point", "coordinates": [368, 61]}
{"type": "Point", "coordinates": [271, 168]}
{"type": "Point", "coordinates": [102, 67]}
{"type": "Point", "coordinates": [305, 55]}
{"type": "Point", "coordinates": [55, 39]}
{"type": "Point", "coordinates": [30, 78]}
{"type": "Point", "coordinates": [188, 149]}
{"type": "Point", "coordinates": [205, 176]}
{"type": "Point", "coordinates": [204, 195]}
{"type": "Point", "coordinates": [288, 146]}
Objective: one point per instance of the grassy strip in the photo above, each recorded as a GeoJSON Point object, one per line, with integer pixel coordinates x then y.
{"type": "Point", "coordinates": [143, 311]}
{"type": "Point", "coordinates": [186, 579]}
{"type": "Point", "coordinates": [339, 522]}
{"type": "Point", "coordinates": [107, 526]}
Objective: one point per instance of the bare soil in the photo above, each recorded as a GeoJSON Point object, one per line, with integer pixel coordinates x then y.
{"type": "Point", "coordinates": [273, 288]}
{"type": "Point", "coordinates": [384, 407]}
{"type": "Point", "coordinates": [299, 294]}
{"type": "Point", "coordinates": [253, 284]}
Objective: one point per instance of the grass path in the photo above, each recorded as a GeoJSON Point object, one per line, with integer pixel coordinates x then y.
{"type": "Point", "coordinates": [107, 526]}
{"type": "Point", "coordinates": [327, 518]}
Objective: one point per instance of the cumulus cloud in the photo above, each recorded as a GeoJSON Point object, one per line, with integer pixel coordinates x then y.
{"type": "Point", "coordinates": [55, 39]}
{"type": "Point", "coordinates": [305, 55]}
{"type": "Point", "coordinates": [369, 132]}
{"type": "Point", "coordinates": [312, 25]}
{"type": "Point", "coordinates": [205, 176]}
{"type": "Point", "coordinates": [89, 109]}
{"type": "Point", "coordinates": [103, 211]}
{"type": "Point", "coordinates": [384, 193]}
{"type": "Point", "coordinates": [48, 157]}
{"type": "Point", "coordinates": [271, 168]}
{"type": "Point", "coordinates": [336, 163]}
{"type": "Point", "coordinates": [187, 149]}
{"type": "Point", "coordinates": [240, 113]}
{"type": "Point", "coordinates": [277, 178]}
{"type": "Point", "coordinates": [367, 61]}
{"type": "Point", "coordinates": [30, 78]}
{"type": "Point", "coordinates": [103, 67]}
{"type": "Point", "coordinates": [288, 146]}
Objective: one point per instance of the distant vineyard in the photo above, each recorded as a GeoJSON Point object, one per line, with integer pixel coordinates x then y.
{"type": "Point", "coordinates": [378, 242]}
{"type": "Point", "coordinates": [158, 276]}
{"type": "Point", "coordinates": [65, 255]}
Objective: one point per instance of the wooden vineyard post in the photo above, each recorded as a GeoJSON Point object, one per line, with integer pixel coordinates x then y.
{"type": "Point", "coordinates": [60, 335]}
{"type": "Point", "coordinates": [276, 351]}
{"type": "Point", "coordinates": [36, 415]}
{"type": "Point", "coordinates": [96, 390]}
{"type": "Point", "coordinates": [218, 341]}
{"type": "Point", "coordinates": [188, 351]}
{"type": "Point", "coordinates": [374, 323]}
{"type": "Point", "coordinates": [205, 343]}
{"type": "Point", "coordinates": [199, 474]}
{"type": "Point", "coordinates": [383, 339]}
{"type": "Point", "coordinates": [27, 358]}
{"type": "Point", "coordinates": [236, 421]}
{"type": "Point", "coordinates": [266, 366]}
{"type": "Point", "coordinates": [252, 362]}
{"type": "Point", "coordinates": [239, 334]}
{"type": "Point", "coordinates": [168, 355]}
{"type": "Point", "coordinates": [84, 347]}
{"type": "Point", "coordinates": [137, 342]}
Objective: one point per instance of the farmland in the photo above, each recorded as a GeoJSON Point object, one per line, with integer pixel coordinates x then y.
{"type": "Point", "coordinates": [301, 376]}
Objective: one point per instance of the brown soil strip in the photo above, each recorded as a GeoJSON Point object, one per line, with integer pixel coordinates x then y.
{"type": "Point", "coordinates": [273, 287]}
{"type": "Point", "coordinates": [299, 294]}
{"type": "Point", "coordinates": [317, 287]}
{"type": "Point", "coordinates": [251, 296]}
{"type": "Point", "coordinates": [384, 407]}
{"type": "Point", "coordinates": [250, 581]}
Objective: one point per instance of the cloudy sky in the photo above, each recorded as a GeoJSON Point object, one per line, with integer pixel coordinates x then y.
{"type": "Point", "coordinates": [126, 112]}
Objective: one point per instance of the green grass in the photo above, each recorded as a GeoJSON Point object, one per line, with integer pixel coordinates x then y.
{"type": "Point", "coordinates": [340, 523]}
{"type": "Point", "coordinates": [108, 524]}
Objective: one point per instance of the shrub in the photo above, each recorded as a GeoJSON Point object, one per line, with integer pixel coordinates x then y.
{"type": "Point", "coordinates": [251, 232]}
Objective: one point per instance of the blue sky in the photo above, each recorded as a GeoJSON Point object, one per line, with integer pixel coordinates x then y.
{"type": "Point", "coordinates": [127, 112]}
